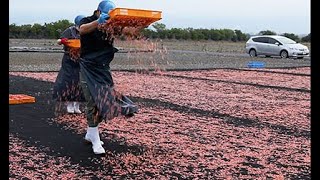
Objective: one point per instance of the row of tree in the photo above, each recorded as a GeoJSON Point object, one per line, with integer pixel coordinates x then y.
{"type": "Point", "coordinates": [38, 31]}
{"type": "Point", "coordinates": [194, 34]}
{"type": "Point", "coordinates": [158, 30]}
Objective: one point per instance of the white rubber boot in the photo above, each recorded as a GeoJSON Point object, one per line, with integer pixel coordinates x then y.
{"type": "Point", "coordinates": [93, 136]}
{"type": "Point", "coordinates": [86, 137]}
{"type": "Point", "coordinates": [76, 107]}
{"type": "Point", "coordinates": [70, 107]}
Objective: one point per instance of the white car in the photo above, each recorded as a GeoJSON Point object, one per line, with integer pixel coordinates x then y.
{"type": "Point", "coordinates": [275, 45]}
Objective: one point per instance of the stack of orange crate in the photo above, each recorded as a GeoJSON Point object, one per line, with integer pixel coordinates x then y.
{"type": "Point", "coordinates": [20, 99]}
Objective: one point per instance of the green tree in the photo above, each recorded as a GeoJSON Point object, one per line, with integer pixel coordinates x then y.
{"type": "Point", "coordinates": [215, 35]}
{"type": "Point", "coordinates": [176, 33]}
{"type": "Point", "coordinates": [14, 31]}
{"type": "Point", "coordinates": [25, 31]}
{"type": "Point", "coordinates": [148, 33]}
{"type": "Point", "coordinates": [267, 32]}
{"type": "Point", "coordinates": [306, 38]}
{"type": "Point", "coordinates": [240, 36]}
{"type": "Point", "coordinates": [291, 36]}
{"type": "Point", "coordinates": [53, 30]}
{"type": "Point", "coordinates": [205, 33]}
{"type": "Point", "coordinates": [228, 34]}
{"type": "Point", "coordinates": [159, 27]}
{"type": "Point", "coordinates": [37, 31]}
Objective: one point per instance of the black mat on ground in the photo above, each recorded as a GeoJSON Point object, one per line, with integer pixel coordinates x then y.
{"type": "Point", "coordinates": [34, 124]}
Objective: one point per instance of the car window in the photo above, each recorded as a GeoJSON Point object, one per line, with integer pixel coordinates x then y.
{"type": "Point", "coordinates": [260, 39]}
{"type": "Point", "coordinates": [285, 40]}
{"type": "Point", "coordinates": [272, 41]}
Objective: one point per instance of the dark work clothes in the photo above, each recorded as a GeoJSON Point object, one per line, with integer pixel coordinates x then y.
{"type": "Point", "coordinates": [96, 40]}
{"type": "Point", "coordinates": [66, 86]}
{"type": "Point", "coordinates": [97, 75]}
{"type": "Point", "coordinates": [97, 52]}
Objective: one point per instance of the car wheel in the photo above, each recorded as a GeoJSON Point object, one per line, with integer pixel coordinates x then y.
{"type": "Point", "coordinates": [284, 54]}
{"type": "Point", "coordinates": [252, 53]}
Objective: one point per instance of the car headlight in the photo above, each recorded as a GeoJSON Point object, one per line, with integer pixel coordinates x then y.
{"type": "Point", "coordinates": [305, 48]}
{"type": "Point", "coordinates": [293, 48]}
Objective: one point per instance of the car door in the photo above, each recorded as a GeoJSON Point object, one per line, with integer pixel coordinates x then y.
{"type": "Point", "coordinates": [261, 44]}
{"type": "Point", "coordinates": [274, 47]}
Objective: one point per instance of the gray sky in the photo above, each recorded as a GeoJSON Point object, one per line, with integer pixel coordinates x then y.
{"type": "Point", "coordinates": [249, 16]}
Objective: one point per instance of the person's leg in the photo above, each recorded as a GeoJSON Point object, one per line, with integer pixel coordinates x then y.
{"type": "Point", "coordinates": [92, 134]}
{"type": "Point", "coordinates": [76, 106]}
{"type": "Point", "coordinates": [70, 107]}
{"type": "Point", "coordinates": [76, 86]}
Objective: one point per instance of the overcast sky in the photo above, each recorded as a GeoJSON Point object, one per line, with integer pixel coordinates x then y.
{"type": "Point", "coordinates": [249, 16]}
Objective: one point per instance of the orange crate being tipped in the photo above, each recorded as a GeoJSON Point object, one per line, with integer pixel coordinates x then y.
{"type": "Point", "coordinates": [20, 99]}
{"type": "Point", "coordinates": [126, 17]}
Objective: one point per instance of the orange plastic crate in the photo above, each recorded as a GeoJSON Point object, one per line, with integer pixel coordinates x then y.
{"type": "Point", "coordinates": [73, 43]}
{"type": "Point", "coordinates": [20, 99]}
{"type": "Point", "coordinates": [126, 17]}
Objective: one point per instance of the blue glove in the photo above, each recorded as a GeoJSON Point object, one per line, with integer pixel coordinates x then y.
{"type": "Point", "coordinates": [103, 18]}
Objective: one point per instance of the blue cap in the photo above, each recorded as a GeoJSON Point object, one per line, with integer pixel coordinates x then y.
{"type": "Point", "coordinates": [78, 19]}
{"type": "Point", "coordinates": [105, 6]}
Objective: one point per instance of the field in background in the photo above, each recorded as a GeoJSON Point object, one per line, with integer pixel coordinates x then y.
{"type": "Point", "coordinates": [211, 46]}
{"type": "Point", "coordinates": [167, 55]}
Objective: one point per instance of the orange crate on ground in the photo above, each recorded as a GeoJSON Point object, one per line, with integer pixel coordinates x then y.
{"type": "Point", "coordinates": [126, 17]}
{"type": "Point", "coordinates": [20, 99]}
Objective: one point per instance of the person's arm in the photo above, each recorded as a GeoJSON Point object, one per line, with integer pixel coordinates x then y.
{"type": "Point", "coordinates": [59, 42]}
{"type": "Point", "coordinates": [89, 27]}
{"type": "Point", "coordinates": [64, 36]}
